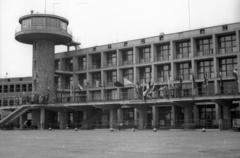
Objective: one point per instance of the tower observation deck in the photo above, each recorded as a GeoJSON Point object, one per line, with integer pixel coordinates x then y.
{"type": "Point", "coordinates": [43, 31]}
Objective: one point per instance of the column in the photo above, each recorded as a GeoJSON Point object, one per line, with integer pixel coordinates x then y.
{"type": "Point", "coordinates": [20, 122]}
{"type": "Point", "coordinates": [120, 116]}
{"type": "Point", "coordinates": [218, 116]}
{"type": "Point", "coordinates": [142, 118]}
{"type": "Point", "coordinates": [188, 115]}
{"type": "Point", "coordinates": [63, 119]}
{"type": "Point", "coordinates": [135, 117]}
{"type": "Point", "coordinates": [36, 117]}
{"type": "Point", "coordinates": [226, 117]}
{"type": "Point", "coordinates": [173, 116]}
{"type": "Point", "coordinates": [113, 118]}
{"type": "Point", "coordinates": [196, 114]}
{"type": "Point", "coordinates": [42, 118]}
{"type": "Point", "coordinates": [155, 116]}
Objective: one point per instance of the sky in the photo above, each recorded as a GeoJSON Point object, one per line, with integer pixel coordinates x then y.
{"type": "Point", "coordinates": [98, 22]}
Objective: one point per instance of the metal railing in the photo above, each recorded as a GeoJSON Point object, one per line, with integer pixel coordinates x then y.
{"type": "Point", "coordinates": [163, 58]}
{"type": "Point", "coordinates": [228, 50]}
{"type": "Point", "coordinates": [144, 60]}
{"type": "Point", "coordinates": [92, 67]}
{"type": "Point", "coordinates": [204, 53]}
{"type": "Point", "coordinates": [125, 63]}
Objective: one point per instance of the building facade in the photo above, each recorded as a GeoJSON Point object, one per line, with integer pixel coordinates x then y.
{"type": "Point", "coordinates": [195, 75]}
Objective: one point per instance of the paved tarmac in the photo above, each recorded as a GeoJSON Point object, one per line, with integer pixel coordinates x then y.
{"type": "Point", "coordinates": [118, 144]}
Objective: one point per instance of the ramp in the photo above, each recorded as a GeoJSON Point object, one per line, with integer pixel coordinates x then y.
{"type": "Point", "coordinates": [15, 114]}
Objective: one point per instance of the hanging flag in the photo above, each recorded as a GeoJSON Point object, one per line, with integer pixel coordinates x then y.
{"type": "Point", "coordinates": [221, 82]}
{"type": "Point", "coordinates": [235, 74]}
{"type": "Point", "coordinates": [80, 87]}
{"type": "Point", "coordinates": [193, 81]}
{"type": "Point", "coordinates": [205, 82]}
{"type": "Point", "coordinates": [126, 82]}
{"type": "Point", "coordinates": [118, 84]}
{"type": "Point", "coordinates": [138, 89]}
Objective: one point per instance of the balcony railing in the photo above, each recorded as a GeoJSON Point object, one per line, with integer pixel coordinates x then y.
{"type": "Point", "coordinates": [144, 60]}
{"type": "Point", "coordinates": [145, 80]}
{"type": "Point", "coordinates": [163, 79]}
{"type": "Point", "coordinates": [204, 53]}
{"type": "Point", "coordinates": [226, 74]}
{"type": "Point", "coordinates": [163, 58]}
{"type": "Point", "coordinates": [227, 50]}
{"type": "Point", "coordinates": [125, 63]}
{"type": "Point", "coordinates": [208, 75]}
{"type": "Point", "coordinates": [184, 77]}
{"type": "Point", "coordinates": [110, 64]}
{"type": "Point", "coordinates": [92, 67]}
{"type": "Point", "coordinates": [183, 55]}
{"type": "Point", "coordinates": [83, 68]}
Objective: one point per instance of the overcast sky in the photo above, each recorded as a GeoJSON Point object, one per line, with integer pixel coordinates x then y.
{"type": "Point", "coordinates": [98, 22]}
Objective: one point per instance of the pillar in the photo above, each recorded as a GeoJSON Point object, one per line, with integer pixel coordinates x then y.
{"type": "Point", "coordinates": [120, 116]}
{"type": "Point", "coordinates": [188, 115]}
{"type": "Point", "coordinates": [42, 118]}
{"type": "Point", "coordinates": [155, 116]}
{"type": "Point", "coordinates": [36, 117]}
{"type": "Point", "coordinates": [142, 118]}
{"type": "Point", "coordinates": [113, 118]}
{"type": "Point", "coordinates": [63, 119]}
{"type": "Point", "coordinates": [173, 116]}
{"type": "Point", "coordinates": [20, 121]}
{"type": "Point", "coordinates": [196, 114]}
{"type": "Point", "coordinates": [226, 117]}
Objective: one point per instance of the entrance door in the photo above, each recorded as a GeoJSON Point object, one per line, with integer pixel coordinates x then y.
{"type": "Point", "coordinates": [207, 114]}
{"type": "Point", "coordinates": [164, 116]}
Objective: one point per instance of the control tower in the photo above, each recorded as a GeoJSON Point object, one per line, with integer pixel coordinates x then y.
{"type": "Point", "coordinates": [43, 31]}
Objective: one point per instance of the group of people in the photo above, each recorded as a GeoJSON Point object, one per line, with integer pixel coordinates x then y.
{"type": "Point", "coordinates": [36, 98]}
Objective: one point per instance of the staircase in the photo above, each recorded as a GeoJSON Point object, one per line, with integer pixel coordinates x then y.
{"type": "Point", "coordinates": [15, 114]}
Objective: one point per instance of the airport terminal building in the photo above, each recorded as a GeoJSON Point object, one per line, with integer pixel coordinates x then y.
{"type": "Point", "coordinates": [188, 79]}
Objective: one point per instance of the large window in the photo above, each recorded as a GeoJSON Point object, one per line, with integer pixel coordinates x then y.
{"type": "Point", "coordinates": [163, 52]}
{"type": "Point", "coordinates": [145, 75]}
{"type": "Point", "coordinates": [63, 25]}
{"type": "Point", "coordinates": [26, 24]}
{"type": "Point", "coordinates": [184, 71]}
{"type": "Point", "coordinates": [128, 74]}
{"type": "Point", "coordinates": [227, 44]}
{"type": "Point", "coordinates": [111, 59]}
{"type": "Point", "coordinates": [39, 21]}
{"type": "Point", "coordinates": [53, 23]}
{"type": "Point", "coordinates": [205, 68]}
{"type": "Point", "coordinates": [96, 77]}
{"type": "Point", "coordinates": [24, 88]}
{"type": "Point", "coordinates": [164, 71]}
{"type": "Point", "coordinates": [57, 65]}
{"type": "Point", "coordinates": [0, 88]}
{"type": "Point", "coordinates": [96, 95]}
{"type": "Point", "coordinates": [69, 64]}
{"type": "Point", "coordinates": [68, 82]}
{"type": "Point", "coordinates": [5, 87]}
{"type": "Point", "coordinates": [111, 77]}
{"type": "Point", "coordinates": [96, 61]}
{"type": "Point", "coordinates": [82, 63]}
{"type": "Point", "coordinates": [29, 87]}
{"type": "Point", "coordinates": [204, 47]}
{"type": "Point", "coordinates": [82, 79]}
{"type": "Point", "coordinates": [227, 65]}
{"type": "Point", "coordinates": [144, 55]}
{"type": "Point", "coordinates": [207, 112]}
{"type": "Point", "coordinates": [127, 57]}
{"type": "Point", "coordinates": [183, 49]}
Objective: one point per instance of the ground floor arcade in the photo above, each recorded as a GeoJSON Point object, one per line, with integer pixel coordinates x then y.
{"type": "Point", "coordinates": [215, 114]}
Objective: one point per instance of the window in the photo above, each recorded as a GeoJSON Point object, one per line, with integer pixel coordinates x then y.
{"type": "Point", "coordinates": [204, 47]}
{"type": "Point", "coordinates": [0, 105]}
{"type": "Point", "coordinates": [164, 71]}
{"type": "Point", "coordinates": [227, 65]}
{"type": "Point", "coordinates": [5, 102]}
{"type": "Point", "coordinates": [29, 87]}
{"type": "Point", "coordinates": [69, 64]}
{"type": "Point", "coordinates": [163, 52]}
{"type": "Point", "coordinates": [128, 114]}
{"type": "Point", "coordinates": [144, 55]}
{"type": "Point", "coordinates": [111, 77]}
{"type": "Point", "coordinates": [1, 89]}
{"type": "Point", "coordinates": [24, 88]}
{"type": "Point", "coordinates": [227, 44]}
{"type": "Point", "coordinates": [96, 95]}
{"type": "Point", "coordinates": [205, 68]}
{"type": "Point", "coordinates": [96, 76]}
{"type": "Point", "coordinates": [11, 102]}
{"type": "Point", "coordinates": [207, 112]}
{"type": "Point", "coordinates": [111, 59]}
{"type": "Point", "coordinates": [38, 21]}
{"type": "Point", "coordinates": [53, 23]}
{"type": "Point", "coordinates": [18, 88]}
{"type": "Point", "coordinates": [111, 94]}
{"type": "Point", "coordinates": [224, 27]}
{"type": "Point", "coordinates": [68, 82]}
{"type": "Point", "coordinates": [82, 63]}
{"type": "Point", "coordinates": [127, 57]}
{"type": "Point", "coordinates": [128, 74]}
{"type": "Point", "coordinates": [26, 24]}
{"type": "Point", "coordinates": [63, 25]}
{"type": "Point", "coordinates": [11, 88]}
{"type": "Point", "coordinates": [127, 93]}
{"type": "Point", "coordinates": [183, 49]}
{"type": "Point", "coordinates": [184, 71]}
{"type": "Point", "coordinates": [96, 61]}
{"type": "Point", "coordinates": [57, 65]}
{"type": "Point", "coordinates": [5, 88]}
{"type": "Point", "coordinates": [202, 31]}
{"type": "Point", "coordinates": [145, 75]}
{"type": "Point", "coordinates": [82, 79]}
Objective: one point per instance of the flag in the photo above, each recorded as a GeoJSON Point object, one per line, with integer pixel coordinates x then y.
{"type": "Point", "coordinates": [235, 74]}
{"type": "Point", "coordinates": [118, 84]}
{"type": "Point", "coordinates": [126, 82]}
{"type": "Point", "coordinates": [149, 90]}
{"type": "Point", "coordinates": [80, 87]}
{"type": "Point", "coordinates": [221, 82]}
{"type": "Point", "coordinates": [193, 81]}
{"type": "Point", "coordinates": [138, 90]}
{"type": "Point", "coordinates": [205, 82]}
{"type": "Point", "coordinates": [180, 85]}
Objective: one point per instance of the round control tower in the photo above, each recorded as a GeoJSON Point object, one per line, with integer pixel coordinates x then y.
{"type": "Point", "coordinates": [43, 31]}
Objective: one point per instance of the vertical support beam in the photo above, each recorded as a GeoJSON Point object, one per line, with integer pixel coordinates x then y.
{"type": "Point", "coordinates": [113, 118]}
{"type": "Point", "coordinates": [21, 122]}
{"type": "Point", "coordinates": [218, 116]}
{"type": "Point", "coordinates": [227, 116]}
{"type": "Point", "coordinates": [42, 118]}
{"type": "Point", "coordinates": [120, 115]}
{"type": "Point", "coordinates": [215, 63]}
{"type": "Point", "coordinates": [188, 114]}
{"type": "Point", "coordinates": [196, 114]}
{"type": "Point", "coordinates": [142, 118]}
{"type": "Point", "coordinates": [63, 119]}
{"type": "Point", "coordinates": [155, 116]}
{"type": "Point", "coordinates": [36, 117]}
{"type": "Point", "coordinates": [173, 113]}
{"type": "Point", "coordinates": [135, 116]}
